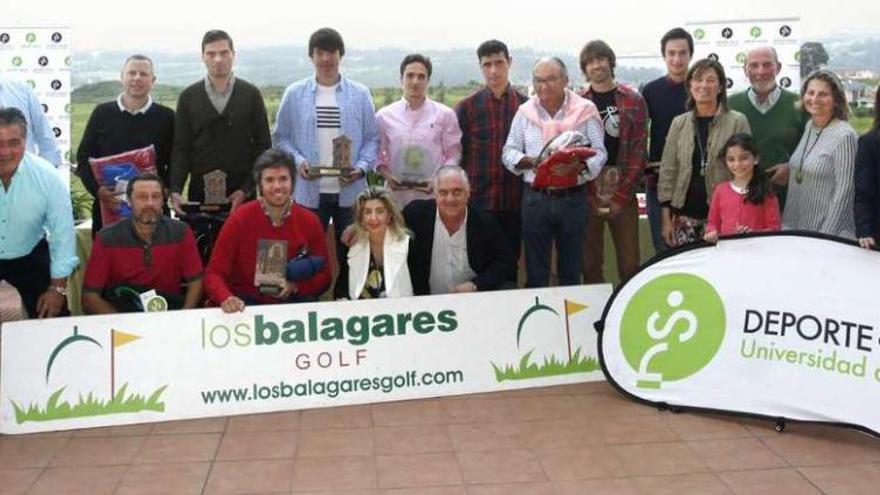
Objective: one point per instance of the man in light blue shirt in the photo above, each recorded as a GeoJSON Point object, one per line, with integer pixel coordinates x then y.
{"type": "Point", "coordinates": [41, 139]}
{"type": "Point", "coordinates": [313, 113]}
{"type": "Point", "coordinates": [34, 202]}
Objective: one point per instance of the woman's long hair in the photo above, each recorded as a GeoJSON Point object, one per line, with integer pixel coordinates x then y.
{"type": "Point", "coordinates": [759, 187]}
{"type": "Point", "coordinates": [396, 224]}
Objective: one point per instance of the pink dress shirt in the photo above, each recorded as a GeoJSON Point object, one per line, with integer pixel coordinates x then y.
{"type": "Point", "coordinates": [415, 142]}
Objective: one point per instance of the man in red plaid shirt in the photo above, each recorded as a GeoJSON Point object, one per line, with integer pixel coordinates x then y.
{"type": "Point", "coordinates": [611, 196]}
{"type": "Point", "coordinates": [484, 118]}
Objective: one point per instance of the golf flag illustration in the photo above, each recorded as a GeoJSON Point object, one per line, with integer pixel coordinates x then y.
{"type": "Point", "coordinates": [571, 308]}
{"type": "Point", "coordinates": [118, 339]}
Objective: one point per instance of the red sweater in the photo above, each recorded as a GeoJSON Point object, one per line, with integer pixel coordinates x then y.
{"type": "Point", "coordinates": [233, 260]}
{"type": "Point", "coordinates": [729, 210]}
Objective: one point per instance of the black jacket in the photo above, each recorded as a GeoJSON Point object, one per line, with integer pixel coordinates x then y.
{"type": "Point", "coordinates": [488, 255]}
{"type": "Point", "coordinates": [867, 185]}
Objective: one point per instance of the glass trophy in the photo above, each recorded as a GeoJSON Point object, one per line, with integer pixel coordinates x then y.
{"type": "Point", "coordinates": [413, 166]}
{"type": "Point", "coordinates": [215, 194]}
{"type": "Point", "coordinates": [271, 266]}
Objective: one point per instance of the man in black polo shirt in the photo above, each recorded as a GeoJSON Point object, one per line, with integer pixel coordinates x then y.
{"type": "Point", "coordinates": [130, 122]}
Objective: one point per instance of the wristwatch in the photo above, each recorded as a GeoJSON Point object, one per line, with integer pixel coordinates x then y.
{"type": "Point", "coordinates": [59, 289]}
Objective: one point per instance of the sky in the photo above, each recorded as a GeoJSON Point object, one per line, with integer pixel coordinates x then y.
{"type": "Point", "coordinates": [629, 26]}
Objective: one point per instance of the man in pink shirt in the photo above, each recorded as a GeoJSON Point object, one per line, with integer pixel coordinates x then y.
{"type": "Point", "coordinates": [416, 135]}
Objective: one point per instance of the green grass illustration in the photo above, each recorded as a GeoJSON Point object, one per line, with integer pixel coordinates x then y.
{"type": "Point", "coordinates": [90, 406]}
{"type": "Point", "coordinates": [550, 367]}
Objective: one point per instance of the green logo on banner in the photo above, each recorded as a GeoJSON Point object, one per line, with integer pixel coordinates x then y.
{"type": "Point", "coordinates": [67, 61]}
{"type": "Point", "coordinates": [699, 33]}
{"type": "Point", "coordinates": [16, 61]}
{"type": "Point", "coordinates": [741, 58]}
{"type": "Point", "coordinates": [67, 108]}
{"type": "Point", "coordinates": [672, 328]}
{"type": "Point", "coordinates": [32, 83]}
{"type": "Point", "coordinates": [756, 32]}
{"type": "Point", "coordinates": [797, 56]}
{"type": "Point", "coordinates": [30, 37]}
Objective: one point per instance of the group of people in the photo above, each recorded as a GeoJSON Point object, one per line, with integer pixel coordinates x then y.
{"type": "Point", "coordinates": [462, 196]}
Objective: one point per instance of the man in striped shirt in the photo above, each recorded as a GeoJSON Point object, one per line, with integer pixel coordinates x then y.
{"type": "Point", "coordinates": [313, 113]}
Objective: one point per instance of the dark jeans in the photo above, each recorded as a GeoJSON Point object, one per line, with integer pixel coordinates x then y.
{"type": "Point", "coordinates": [342, 217]}
{"type": "Point", "coordinates": [548, 219]}
{"type": "Point", "coordinates": [511, 226]}
{"type": "Point", "coordinates": [30, 276]}
{"type": "Point", "coordinates": [655, 219]}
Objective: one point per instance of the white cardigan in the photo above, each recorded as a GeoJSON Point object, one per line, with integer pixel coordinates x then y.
{"type": "Point", "coordinates": [395, 270]}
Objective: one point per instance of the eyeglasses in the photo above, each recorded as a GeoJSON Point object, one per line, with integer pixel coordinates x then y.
{"type": "Point", "coordinates": [537, 81]}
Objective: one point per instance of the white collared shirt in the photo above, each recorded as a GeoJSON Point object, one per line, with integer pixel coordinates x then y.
{"type": "Point", "coordinates": [449, 258]}
{"type": "Point", "coordinates": [140, 110]}
{"type": "Point", "coordinates": [768, 105]}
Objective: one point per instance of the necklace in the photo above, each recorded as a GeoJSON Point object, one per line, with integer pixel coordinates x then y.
{"type": "Point", "coordinates": [799, 174]}
{"type": "Point", "coordinates": [703, 151]}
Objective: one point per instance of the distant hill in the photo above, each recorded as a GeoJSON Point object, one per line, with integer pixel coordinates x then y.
{"type": "Point", "coordinates": [279, 66]}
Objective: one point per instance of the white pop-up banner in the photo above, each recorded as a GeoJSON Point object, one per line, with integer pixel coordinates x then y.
{"type": "Point", "coordinates": [779, 325]}
{"type": "Point", "coordinates": [121, 369]}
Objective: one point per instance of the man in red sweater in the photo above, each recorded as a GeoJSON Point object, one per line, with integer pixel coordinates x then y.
{"type": "Point", "coordinates": [243, 264]}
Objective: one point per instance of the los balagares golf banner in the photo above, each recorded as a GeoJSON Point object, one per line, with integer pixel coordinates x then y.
{"type": "Point", "coordinates": [783, 326]}
{"type": "Point", "coordinates": [121, 369]}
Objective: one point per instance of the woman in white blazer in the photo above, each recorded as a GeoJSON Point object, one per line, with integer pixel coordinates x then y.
{"type": "Point", "coordinates": [377, 259]}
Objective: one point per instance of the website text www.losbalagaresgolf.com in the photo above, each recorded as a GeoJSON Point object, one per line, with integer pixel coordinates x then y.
{"type": "Point", "coordinates": [331, 388]}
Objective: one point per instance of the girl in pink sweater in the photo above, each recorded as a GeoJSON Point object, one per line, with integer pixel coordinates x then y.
{"type": "Point", "coordinates": [746, 203]}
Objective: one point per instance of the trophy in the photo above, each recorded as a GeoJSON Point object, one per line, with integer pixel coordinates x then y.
{"type": "Point", "coordinates": [215, 194]}
{"type": "Point", "coordinates": [606, 185]}
{"type": "Point", "coordinates": [341, 160]}
{"type": "Point", "coordinates": [269, 276]}
{"type": "Point", "coordinates": [413, 163]}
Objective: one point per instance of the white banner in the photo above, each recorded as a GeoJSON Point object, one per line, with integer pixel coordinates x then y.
{"type": "Point", "coordinates": [41, 57]}
{"type": "Point", "coordinates": [729, 41]}
{"type": "Point", "coordinates": [121, 369]}
{"type": "Point", "coordinates": [779, 325]}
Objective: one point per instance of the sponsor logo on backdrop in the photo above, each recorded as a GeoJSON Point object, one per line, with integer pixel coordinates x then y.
{"type": "Point", "coordinates": [45, 107]}
{"type": "Point", "coordinates": [713, 57]}
{"type": "Point", "coordinates": [56, 131]}
{"type": "Point", "coordinates": [755, 32]}
{"type": "Point", "coordinates": [56, 37]}
{"type": "Point", "coordinates": [728, 82]}
{"type": "Point", "coordinates": [671, 329]}
{"type": "Point", "coordinates": [785, 31]}
{"type": "Point", "coordinates": [785, 82]}
{"type": "Point", "coordinates": [4, 38]}
{"type": "Point", "coordinates": [32, 83]}
{"type": "Point", "coordinates": [16, 61]}
{"type": "Point", "coordinates": [56, 84]}
{"type": "Point", "coordinates": [95, 403]}
{"type": "Point", "coordinates": [699, 33]}
{"type": "Point", "coordinates": [727, 33]}
{"type": "Point", "coordinates": [30, 37]}
{"type": "Point", "coordinates": [67, 61]}
{"type": "Point", "coordinates": [43, 61]}
{"type": "Point", "coordinates": [741, 58]}
{"type": "Point", "coordinates": [539, 364]}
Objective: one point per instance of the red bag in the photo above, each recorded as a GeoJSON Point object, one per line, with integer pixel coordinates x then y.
{"type": "Point", "coordinates": [114, 172]}
{"type": "Point", "coordinates": [544, 176]}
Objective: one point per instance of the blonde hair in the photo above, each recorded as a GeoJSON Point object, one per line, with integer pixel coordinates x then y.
{"type": "Point", "coordinates": [396, 224]}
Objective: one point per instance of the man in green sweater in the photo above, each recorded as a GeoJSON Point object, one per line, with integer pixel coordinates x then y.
{"type": "Point", "coordinates": [776, 122]}
{"type": "Point", "coordinates": [221, 125]}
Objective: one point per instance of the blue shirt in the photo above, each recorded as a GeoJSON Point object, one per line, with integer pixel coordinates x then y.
{"type": "Point", "coordinates": [39, 133]}
{"type": "Point", "coordinates": [36, 202]}
{"type": "Point", "coordinates": [296, 133]}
